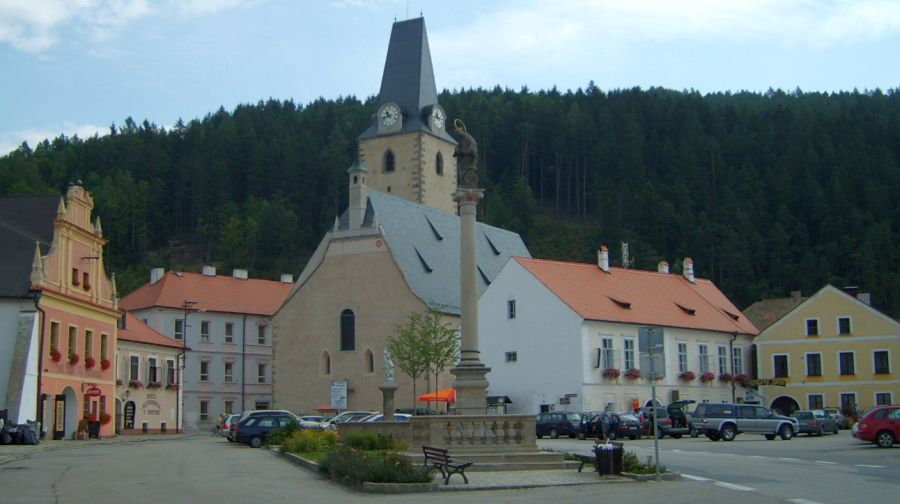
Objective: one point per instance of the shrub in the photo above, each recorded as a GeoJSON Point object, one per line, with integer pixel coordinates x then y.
{"type": "Point", "coordinates": [353, 466]}
{"type": "Point", "coordinates": [632, 464]}
{"type": "Point", "coordinates": [369, 441]}
{"type": "Point", "coordinates": [309, 440]}
{"type": "Point", "coordinates": [278, 436]}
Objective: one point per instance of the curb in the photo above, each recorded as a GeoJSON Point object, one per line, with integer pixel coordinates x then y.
{"type": "Point", "coordinates": [666, 476]}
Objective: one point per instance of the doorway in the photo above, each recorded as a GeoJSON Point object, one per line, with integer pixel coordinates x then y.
{"type": "Point", "coordinates": [785, 405]}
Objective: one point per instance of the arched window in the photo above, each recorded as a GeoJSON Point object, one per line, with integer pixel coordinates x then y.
{"type": "Point", "coordinates": [439, 164]}
{"type": "Point", "coordinates": [348, 330]}
{"type": "Point", "coordinates": [388, 161]}
{"type": "Point", "coordinates": [325, 363]}
{"type": "Point", "coordinates": [370, 361]}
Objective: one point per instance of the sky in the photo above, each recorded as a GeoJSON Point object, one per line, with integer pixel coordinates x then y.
{"type": "Point", "coordinates": [76, 67]}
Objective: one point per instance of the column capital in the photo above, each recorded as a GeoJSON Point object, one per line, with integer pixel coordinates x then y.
{"type": "Point", "coordinates": [465, 195]}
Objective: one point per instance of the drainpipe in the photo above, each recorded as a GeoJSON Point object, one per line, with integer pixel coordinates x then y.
{"type": "Point", "coordinates": [731, 351]}
{"type": "Point", "coordinates": [243, 361]}
{"type": "Point", "coordinates": [39, 410]}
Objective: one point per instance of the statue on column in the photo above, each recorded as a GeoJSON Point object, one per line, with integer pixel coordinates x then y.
{"type": "Point", "coordinates": [466, 154]}
{"type": "Point", "coordinates": [388, 367]}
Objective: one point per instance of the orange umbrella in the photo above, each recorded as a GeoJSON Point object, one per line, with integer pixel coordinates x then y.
{"type": "Point", "coordinates": [446, 395]}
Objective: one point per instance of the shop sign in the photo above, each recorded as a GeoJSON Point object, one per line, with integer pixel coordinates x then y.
{"type": "Point", "coordinates": [93, 392]}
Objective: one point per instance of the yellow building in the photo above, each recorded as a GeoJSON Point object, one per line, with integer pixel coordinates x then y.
{"type": "Point", "coordinates": [833, 350]}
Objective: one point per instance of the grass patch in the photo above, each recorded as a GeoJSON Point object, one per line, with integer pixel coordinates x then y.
{"type": "Point", "coordinates": [316, 457]}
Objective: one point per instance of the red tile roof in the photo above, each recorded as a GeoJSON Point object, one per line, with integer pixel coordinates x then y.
{"type": "Point", "coordinates": [212, 293]}
{"type": "Point", "coordinates": [137, 331]}
{"type": "Point", "coordinates": [639, 297]}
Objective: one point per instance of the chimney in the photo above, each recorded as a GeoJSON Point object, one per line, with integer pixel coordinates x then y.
{"type": "Point", "coordinates": [356, 211]}
{"type": "Point", "coordinates": [688, 269]}
{"type": "Point", "coordinates": [209, 271]}
{"type": "Point", "coordinates": [865, 297]}
{"type": "Point", "coordinates": [156, 275]}
{"type": "Point", "coordinates": [603, 258]}
{"type": "Point", "coordinates": [662, 267]}
{"type": "Point", "coordinates": [796, 295]}
{"type": "Point", "coordinates": [240, 274]}
{"type": "Point", "coordinates": [852, 290]}
{"type": "Point", "coordinates": [287, 278]}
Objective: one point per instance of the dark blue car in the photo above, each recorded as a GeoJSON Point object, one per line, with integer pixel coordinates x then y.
{"type": "Point", "coordinates": [254, 426]}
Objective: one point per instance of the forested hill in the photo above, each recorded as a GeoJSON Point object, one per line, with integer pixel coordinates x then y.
{"type": "Point", "coordinates": [768, 193]}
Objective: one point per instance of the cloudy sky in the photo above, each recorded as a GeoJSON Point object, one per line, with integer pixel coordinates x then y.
{"type": "Point", "coordinates": [78, 66]}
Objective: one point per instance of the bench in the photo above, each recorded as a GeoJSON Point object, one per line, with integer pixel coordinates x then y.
{"type": "Point", "coordinates": [440, 458]}
{"type": "Point", "coordinates": [584, 459]}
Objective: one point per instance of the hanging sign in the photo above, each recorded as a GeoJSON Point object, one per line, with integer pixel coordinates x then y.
{"type": "Point", "coordinates": [93, 392]}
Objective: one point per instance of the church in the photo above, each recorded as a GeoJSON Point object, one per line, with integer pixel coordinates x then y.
{"type": "Point", "coordinates": [392, 253]}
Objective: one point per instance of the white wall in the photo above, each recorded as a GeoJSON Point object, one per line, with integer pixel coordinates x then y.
{"type": "Point", "coordinates": [545, 336]}
{"type": "Point", "coordinates": [16, 316]}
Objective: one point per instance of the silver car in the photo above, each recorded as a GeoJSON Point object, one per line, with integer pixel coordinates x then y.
{"type": "Point", "coordinates": [815, 422]}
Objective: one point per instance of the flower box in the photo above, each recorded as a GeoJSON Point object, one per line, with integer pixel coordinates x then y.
{"type": "Point", "coordinates": [74, 358]}
{"type": "Point", "coordinates": [172, 386]}
{"type": "Point", "coordinates": [611, 373]}
{"type": "Point", "coordinates": [105, 364]}
{"type": "Point", "coordinates": [707, 377]}
{"type": "Point", "coordinates": [742, 379]}
{"type": "Point", "coordinates": [136, 384]}
{"type": "Point", "coordinates": [633, 373]}
{"type": "Point", "coordinates": [55, 355]}
{"type": "Point", "coordinates": [105, 418]}
{"type": "Point", "coordinates": [89, 362]}
{"type": "Point", "coordinates": [154, 385]}
{"type": "Point", "coordinates": [687, 375]}
{"type": "Point", "coordinates": [726, 377]}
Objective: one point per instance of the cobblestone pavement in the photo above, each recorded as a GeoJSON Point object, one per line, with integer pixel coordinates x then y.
{"type": "Point", "coordinates": [9, 453]}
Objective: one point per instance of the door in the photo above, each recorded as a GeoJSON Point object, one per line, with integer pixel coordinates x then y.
{"type": "Point", "coordinates": [747, 421]}
{"type": "Point", "coordinates": [129, 415]}
{"type": "Point", "coordinates": [59, 417]}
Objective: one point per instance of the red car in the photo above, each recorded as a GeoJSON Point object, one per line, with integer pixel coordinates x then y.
{"type": "Point", "coordinates": [880, 426]}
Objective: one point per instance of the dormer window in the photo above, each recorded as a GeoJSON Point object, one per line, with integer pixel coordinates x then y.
{"type": "Point", "coordinates": [388, 161]}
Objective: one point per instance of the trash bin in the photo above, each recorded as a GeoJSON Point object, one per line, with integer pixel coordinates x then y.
{"type": "Point", "coordinates": [609, 458]}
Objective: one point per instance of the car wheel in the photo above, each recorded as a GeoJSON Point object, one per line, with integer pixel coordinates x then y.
{"type": "Point", "coordinates": [540, 436]}
{"type": "Point", "coordinates": [613, 436]}
{"type": "Point", "coordinates": [695, 432]}
{"type": "Point", "coordinates": [770, 436]}
{"type": "Point", "coordinates": [660, 434]}
{"type": "Point", "coordinates": [676, 436]}
{"type": "Point", "coordinates": [554, 434]}
{"type": "Point", "coordinates": [712, 436]}
{"type": "Point", "coordinates": [728, 433]}
{"type": "Point", "coordinates": [835, 431]}
{"type": "Point", "coordinates": [821, 431]}
{"type": "Point", "coordinates": [786, 432]}
{"type": "Point", "coordinates": [256, 442]}
{"type": "Point", "coordinates": [230, 440]}
{"type": "Point", "coordinates": [581, 435]}
{"type": "Point", "coordinates": [884, 439]}
{"type": "Point", "coordinates": [632, 437]}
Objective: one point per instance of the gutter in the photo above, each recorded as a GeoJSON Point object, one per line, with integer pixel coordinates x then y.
{"type": "Point", "coordinates": [39, 413]}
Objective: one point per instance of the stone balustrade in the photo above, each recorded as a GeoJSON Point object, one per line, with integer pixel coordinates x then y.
{"type": "Point", "coordinates": [474, 433]}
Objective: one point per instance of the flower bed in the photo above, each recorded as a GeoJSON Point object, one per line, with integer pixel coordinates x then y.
{"type": "Point", "coordinates": [687, 375]}
{"type": "Point", "coordinates": [356, 467]}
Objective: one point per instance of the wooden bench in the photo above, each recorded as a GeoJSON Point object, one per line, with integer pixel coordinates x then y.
{"type": "Point", "coordinates": [440, 458]}
{"type": "Point", "coordinates": [585, 459]}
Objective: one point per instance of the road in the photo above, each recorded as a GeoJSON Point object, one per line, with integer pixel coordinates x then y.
{"type": "Point", "coordinates": [828, 470]}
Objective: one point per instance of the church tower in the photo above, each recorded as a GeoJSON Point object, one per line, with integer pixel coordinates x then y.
{"type": "Point", "coordinates": [407, 149]}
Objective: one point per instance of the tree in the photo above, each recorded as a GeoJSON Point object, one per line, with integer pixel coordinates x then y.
{"type": "Point", "coordinates": [440, 344]}
{"type": "Point", "coordinates": [407, 350]}
{"type": "Point", "coordinates": [423, 344]}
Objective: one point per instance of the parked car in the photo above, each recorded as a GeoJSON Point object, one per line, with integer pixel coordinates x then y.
{"type": "Point", "coordinates": [881, 426]}
{"type": "Point", "coordinates": [419, 411]}
{"type": "Point", "coordinates": [226, 426]}
{"type": "Point", "coordinates": [672, 420]}
{"type": "Point", "coordinates": [312, 421]}
{"type": "Point", "coordinates": [253, 426]}
{"type": "Point", "coordinates": [815, 422]}
{"type": "Point", "coordinates": [558, 423]}
{"type": "Point", "coordinates": [347, 416]}
{"type": "Point", "coordinates": [379, 417]}
{"type": "Point", "coordinates": [842, 420]}
{"type": "Point", "coordinates": [725, 421]}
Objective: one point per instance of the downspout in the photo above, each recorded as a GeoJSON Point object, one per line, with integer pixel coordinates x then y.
{"type": "Point", "coordinates": [243, 361]}
{"type": "Point", "coordinates": [731, 358]}
{"type": "Point", "coordinates": [39, 413]}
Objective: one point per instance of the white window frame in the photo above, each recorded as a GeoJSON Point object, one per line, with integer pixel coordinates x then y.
{"type": "Point", "coordinates": [814, 394]}
{"type": "Point", "coordinates": [203, 378]}
{"type": "Point", "coordinates": [855, 398]}
{"type": "Point", "coordinates": [818, 326]}
{"type": "Point", "coordinates": [682, 356]}
{"type": "Point", "coordinates": [261, 336]}
{"type": "Point", "coordinates": [837, 326]}
{"type": "Point", "coordinates": [262, 377]}
{"type": "Point", "coordinates": [888, 359]}
{"type": "Point", "coordinates": [131, 365]}
{"type": "Point", "coordinates": [151, 360]}
{"type": "Point", "coordinates": [737, 360]}
{"type": "Point", "coordinates": [703, 356]}
{"type": "Point", "coordinates": [227, 364]}
{"type": "Point", "coordinates": [175, 332]}
{"type": "Point", "coordinates": [722, 358]}
{"type": "Point", "coordinates": [201, 415]}
{"type": "Point", "coordinates": [204, 335]}
{"type": "Point", "coordinates": [229, 338]}
{"type": "Point", "coordinates": [607, 352]}
{"type": "Point", "coordinates": [875, 397]}
{"type": "Point", "coordinates": [787, 360]}
{"type": "Point", "coordinates": [838, 356]}
{"type": "Point", "coordinates": [821, 364]}
{"type": "Point", "coordinates": [628, 354]}
{"type": "Point", "coordinates": [225, 408]}
{"type": "Point", "coordinates": [170, 364]}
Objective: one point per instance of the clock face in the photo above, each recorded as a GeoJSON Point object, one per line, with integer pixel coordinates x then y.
{"type": "Point", "coordinates": [438, 118]}
{"type": "Point", "coordinates": [389, 115]}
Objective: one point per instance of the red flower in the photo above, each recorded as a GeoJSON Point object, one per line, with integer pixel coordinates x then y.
{"type": "Point", "coordinates": [726, 377]}
{"type": "Point", "coordinates": [74, 358]}
{"type": "Point", "coordinates": [55, 355]}
{"type": "Point", "coordinates": [742, 379]}
{"type": "Point", "coordinates": [633, 373]}
{"type": "Point", "coordinates": [687, 375]}
{"type": "Point", "coordinates": [707, 377]}
{"type": "Point", "coordinates": [90, 362]}
{"type": "Point", "coordinates": [105, 418]}
{"type": "Point", "coordinates": [611, 373]}
{"type": "Point", "coordinates": [105, 364]}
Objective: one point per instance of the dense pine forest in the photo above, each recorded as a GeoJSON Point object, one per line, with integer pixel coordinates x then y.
{"type": "Point", "coordinates": [768, 193]}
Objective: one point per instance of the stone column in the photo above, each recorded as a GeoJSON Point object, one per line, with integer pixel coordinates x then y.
{"type": "Point", "coordinates": [470, 383]}
{"type": "Point", "coordinates": [387, 400]}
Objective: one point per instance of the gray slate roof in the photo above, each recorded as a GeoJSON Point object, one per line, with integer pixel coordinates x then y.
{"type": "Point", "coordinates": [408, 78]}
{"type": "Point", "coordinates": [425, 244]}
{"type": "Point", "coordinates": [24, 220]}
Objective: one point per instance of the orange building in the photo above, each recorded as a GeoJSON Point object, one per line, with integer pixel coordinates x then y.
{"type": "Point", "coordinates": [75, 332]}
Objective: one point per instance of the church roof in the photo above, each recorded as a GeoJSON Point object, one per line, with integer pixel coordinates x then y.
{"type": "Point", "coordinates": [408, 78]}
{"type": "Point", "coordinates": [639, 297]}
{"type": "Point", "coordinates": [24, 221]}
{"type": "Point", "coordinates": [424, 242]}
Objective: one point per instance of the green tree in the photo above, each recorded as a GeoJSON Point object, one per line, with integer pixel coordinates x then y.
{"type": "Point", "coordinates": [424, 344]}
{"type": "Point", "coordinates": [408, 351]}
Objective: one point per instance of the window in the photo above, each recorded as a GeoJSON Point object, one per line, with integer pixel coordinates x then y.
{"type": "Point", "coordinates": [629, 354]}
{"type": "Point", "coordinates": [348, 330]}
{"type": "Point", "coordinates": [512, 356]}
{"type": "Point", "coordinates": [370, 362]}
{"type": "Point", "coordinates": [511, 309]}
{"type": "Point", "coordinates": [134, 368]}
{"type": "Point", "coordinates": [848, 403]}
{"type": "Point", "coordinates": [844, 325]}
{"type": "Point", "coordinates": [882, 363]}
{"type": "Point", "coordinates": [261, 405]}
{"type": "Point", "coordinates": [204, 371]}
{"type": "Point", "coordinates": [723, 359]}
{"type": "Point", "coordinates": [682, 357]}
{"type": "Point", "coordinates": [780, 366]}
{"type": "Point", "coordinates": [204, 410]}
{"type": "Point", "coordinates": [388, 161]}
{"type": "Point", "coordinates": [103, 403]}
{"type": "Point", "coordinates": [325, 364]}
{"type": "Point", "coordinates": [152, 371]}
{"type": "Point", "coordinates": [229, 407]}
{"type": "Point", "coordinates": [814, 365]}
{"type": "Point", "coordinates": [76, 279]}
{"type": "Point", "coordinates": [812, 327]}
{"type": "Point", "coordinates": [86, 405]}
{"type": "Point", "coordinates": [54, 336]}
{"type": "Point", "coordinates": [86, 281]}
{"type": "Point", "coordinates": [261, 373]}
{"type": "Point", "coordinates": [846, 363]}
{"type": "Point", "coordinates": [883, 399]}
{"type": "Point", "coordinates": [104, 346]}
{"type": "Point", "coordinates": [439, 164]}
{"type": "Point", "coordinates": [229, 332]}
{"type": "Point", "coordinates": [229, 372]}
{"type": "Point", "coordinates": [170, 372]}
{"type": "Point", "coordinates": [704, 358]}
{"type": "Point", "coordinates": [88, 344]}
{"type": "Point", "coordinates": [179, 328]}
{"type": "Point", "coordinates": [607, 358]}
{"type": "Point", "coordinates": [261, 335]}
{"type": "Point", "coordinates": [816, 401]}
{"type": "Point", "coordinates": [73, 341]}
{"type": "Point", "coordinates": [204, 331]}
{"type": "Point", "coordinates": [737, 360]}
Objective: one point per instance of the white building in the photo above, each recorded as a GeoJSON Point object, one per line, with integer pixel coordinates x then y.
{"type": "Point", "coordinates": [564, 336]}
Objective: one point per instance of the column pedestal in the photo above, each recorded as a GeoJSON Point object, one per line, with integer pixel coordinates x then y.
{"type": "Point", "coordinates": [387, 401]}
